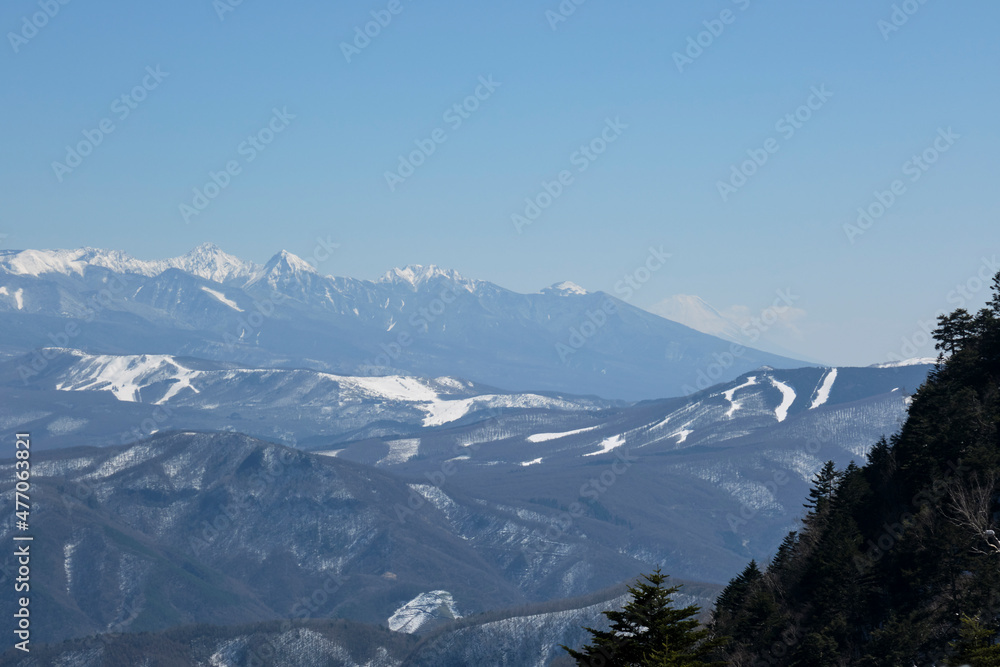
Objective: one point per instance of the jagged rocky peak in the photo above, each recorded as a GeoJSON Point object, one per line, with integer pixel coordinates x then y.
{"type": "Point", "coordinates": [285, 269]}
{"type": "Point", "coordinates": [417, 275]}
{"type": "Point", "coordinates": [209, 261]}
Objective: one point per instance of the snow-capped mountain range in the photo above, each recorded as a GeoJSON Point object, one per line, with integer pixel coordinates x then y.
{"type": "Point", "coordinates": [206, 261]}
{"type": "Point", "coordinates": [417, 320]}
{"type": "Point", "coordinates": [452, 454]}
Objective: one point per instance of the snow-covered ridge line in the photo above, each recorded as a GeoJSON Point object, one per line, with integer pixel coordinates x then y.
{"type": "Point", "coordinates": [418, 274]}
{"type": "Point", "coordinates": [916, 361]}
{"type": "Point", "coordinates": [209, 262]}
{"type": "Point", "coordinates": [143, 378]}
{"type": "Point", "coordinates": [206, 261]}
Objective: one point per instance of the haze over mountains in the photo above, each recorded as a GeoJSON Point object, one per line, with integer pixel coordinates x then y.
{"type": "Point", "coordinates": [413, 321]}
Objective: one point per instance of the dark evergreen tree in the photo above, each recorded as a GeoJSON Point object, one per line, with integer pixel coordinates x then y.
{"type": "Point", "coordinates": [824, 484]}
{"type": "Point", "coordinates": [785, 552]}
{"type": "Point", "coordinates": [650, 631]}
{"type": "Point", "coordinates": [977, 645]}
{"type": "Point", "coordinates": [953, 331]}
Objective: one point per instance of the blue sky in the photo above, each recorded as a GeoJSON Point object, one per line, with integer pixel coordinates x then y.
{"type": "Point", "coordinates": [892, 95]}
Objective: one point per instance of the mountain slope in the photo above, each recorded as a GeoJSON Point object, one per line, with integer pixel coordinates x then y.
{"type": "Point", "coordinates": [698, 485]}
{"type": "Point", "coordinates": [220, 528]}
{"type": "Point", "coordinates": [662, 480]}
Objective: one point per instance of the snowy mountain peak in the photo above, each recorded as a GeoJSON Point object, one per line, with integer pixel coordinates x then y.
{"type": "Point", "coordinates": [418, 274]}
{"type": "Point", "coordinates": [565, 288]}
{"type": "Point", "coordinates": [212, 263]}
{"type": "Point", "coordinates": [284, 270]}
{"type": "Point", "coordinates": [285, 262]}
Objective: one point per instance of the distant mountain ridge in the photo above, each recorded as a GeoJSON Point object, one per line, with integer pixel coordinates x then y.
{"type": "Point", "coordinates": [206, 261]}
{"type": "Point", "coordinates": [416, 320]}
{"type": "Point", "coordinates": [119, 399]}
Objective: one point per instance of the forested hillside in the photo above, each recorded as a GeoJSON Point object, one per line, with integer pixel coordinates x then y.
{"type": "Point", "coordinates": [897, 562]}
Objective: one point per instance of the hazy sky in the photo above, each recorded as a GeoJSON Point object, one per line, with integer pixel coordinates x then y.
{"type": "Point", "coordinates": [667, 130]}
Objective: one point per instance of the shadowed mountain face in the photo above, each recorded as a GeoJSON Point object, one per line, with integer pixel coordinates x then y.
{"type": "Point", "coordinates": [415, 321]}
{"type": "Point", "coordinates": [223, 529]}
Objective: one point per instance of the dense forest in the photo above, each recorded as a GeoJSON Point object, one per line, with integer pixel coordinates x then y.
{"type": "Point", "coordinates": [897, 562]}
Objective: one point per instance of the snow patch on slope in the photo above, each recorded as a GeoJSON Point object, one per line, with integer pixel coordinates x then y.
{"type": "Point", "coordinates": [18, 296]}
{"type": "Point", "coordinates": [443, 411]}
{"type": "Point", "coordinates": [222, 297]}
{"type": "Point", "coordinates": [422, 609]}
{"type": "Point", "coordinates": [392, 387]}
{"type": "Point", "coordinates": [787, 398]}
{"type": "Point", "coordinates": [681, 435]}
{"type": "Point", "coordinates": [125, 376]}
{"type": "Point", "coordinates": [823, 393]}
{"type": "Point", "coordinates": [68, 550]}
{"type": "Point", "coordinates": [401, 451]}
{"type": "Point", "coordinates": [436, 497]}
{"type": "Point", "coordinates": [729, 393]}
{"type": "Point", "coordinates": [544, 437]}
{"type": "Point", "coordinates": [609, 444]}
